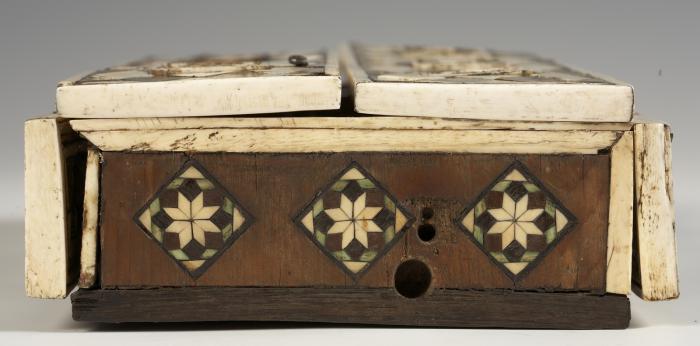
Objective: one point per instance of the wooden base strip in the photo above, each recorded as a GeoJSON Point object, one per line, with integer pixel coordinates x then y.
{"type": "Point", "coordinates": [439, 308]}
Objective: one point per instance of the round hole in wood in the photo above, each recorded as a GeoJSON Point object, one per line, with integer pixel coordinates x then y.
{"type": "Point", "coordinates": [427, 213]}
{"type": "Point", "coordinates": [412, 278]}
{"type": "Point", "coordinates": [426, 232]}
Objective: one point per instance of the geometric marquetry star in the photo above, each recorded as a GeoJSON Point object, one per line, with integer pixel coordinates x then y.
{"type": "Point", "coordinates": [516, 221]}
{"type": "Point", "coordinates": [354, 220]}
{"type": "Point", "coordinates": [193, 218]}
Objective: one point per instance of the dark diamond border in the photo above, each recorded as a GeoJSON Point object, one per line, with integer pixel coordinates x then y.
{"type": "Point", "coordinates": [410, 219]}
{"type": "Point", "coordinates": [249, 219]}
{"type": "Point", "coordinates": [573, 221]}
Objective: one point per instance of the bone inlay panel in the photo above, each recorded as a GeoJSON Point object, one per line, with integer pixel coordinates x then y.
{"type": "Point", "coordinates": [193, 218]}
{"type": "Point", "coordinates": [516, 220]}
{"type": "Point", "coordinates": [354, 220]}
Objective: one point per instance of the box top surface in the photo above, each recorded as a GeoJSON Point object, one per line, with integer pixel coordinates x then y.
{"type": "Point", "coordinates": [208, 66]}
{"type": "Point", "coordinates": [205, 85]}
{"type": "Point", "coordinates": [479, 84]}
{"type": "Point", "coordinates": [455, 65]}
{"type": "Point", "coordinates": [444, 82]}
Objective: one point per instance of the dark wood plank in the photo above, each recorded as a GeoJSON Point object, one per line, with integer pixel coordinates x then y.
{"type": "Point", "coordinates": [74, 153]}
{"type": "Point", "coordinates": [275, 187]}
{"type": "Point", "coordinates": [440, 308]}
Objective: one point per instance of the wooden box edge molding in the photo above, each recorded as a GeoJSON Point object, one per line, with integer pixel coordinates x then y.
{"type": "Point", "coordinates": [656, 273]}
{"type": "Point", "coordinates": [335, 120]}
{"type": "Point", "coordinates": [299, 140]}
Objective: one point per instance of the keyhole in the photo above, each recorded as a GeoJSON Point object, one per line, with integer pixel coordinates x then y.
{"type": "Point", "coordinates": [412, 278]}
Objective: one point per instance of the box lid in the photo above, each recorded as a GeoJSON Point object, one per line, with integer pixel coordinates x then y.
{"type": "Point", "coordinates": [479, 84]}
{"type": "Point", "coordinates": [205, 85]}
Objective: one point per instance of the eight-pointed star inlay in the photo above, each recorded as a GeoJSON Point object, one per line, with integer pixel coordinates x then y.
{"type": "Point", "coordinates": [516, 221]}
{"type": "Point", "coordinates": [193, 218]}
{"type": "Point", "coordinates": [354, 220]}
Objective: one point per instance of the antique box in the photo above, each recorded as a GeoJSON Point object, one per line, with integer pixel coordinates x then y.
{"type": "Point", "coordinates": [466, 188]}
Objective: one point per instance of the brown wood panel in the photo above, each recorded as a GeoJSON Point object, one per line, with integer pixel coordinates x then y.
{"type": "Point", "coordinates": [274, 188]}
{"type": "Point", "coordinates": [443, 308]}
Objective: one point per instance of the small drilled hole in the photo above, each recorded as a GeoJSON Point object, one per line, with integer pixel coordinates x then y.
{"type": "Point", "coordinates": [412, 278]}
{"type": "Point", "coordinates": [427, 213]}
{"type": "Point", "coordinates": [426, 232]}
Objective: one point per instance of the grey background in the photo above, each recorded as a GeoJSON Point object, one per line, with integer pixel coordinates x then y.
{"type": "Point", "coordinates": [652, 45]}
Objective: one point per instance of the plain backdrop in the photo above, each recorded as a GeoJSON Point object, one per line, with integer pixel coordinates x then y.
{"type": "Point", "coordinates": [652, 45]}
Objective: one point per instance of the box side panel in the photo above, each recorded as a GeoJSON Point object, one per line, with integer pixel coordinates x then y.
{"type": "Point", "coordinates": [275, 188]}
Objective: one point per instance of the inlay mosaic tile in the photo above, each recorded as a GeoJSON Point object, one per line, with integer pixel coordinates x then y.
{"type": "Point", "coordinates": [354, 220]}
{"type": "Point", "coordinates": [516, 221]}
{"type": "Point", "coordinates": [193, 218]}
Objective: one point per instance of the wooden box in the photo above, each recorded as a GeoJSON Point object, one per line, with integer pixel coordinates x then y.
{"type": "Point", "coordinates": [337, 216]}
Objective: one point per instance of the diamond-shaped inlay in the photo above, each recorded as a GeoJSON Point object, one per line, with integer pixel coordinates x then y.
{"type": "Point", "coordinates": [354, 220]}
{"type": "Point", "coordinates": [516, 221]}
{"type": "Point", "coordinates": [193, 218]}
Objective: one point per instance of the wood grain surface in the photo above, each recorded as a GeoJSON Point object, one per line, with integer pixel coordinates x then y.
{"type": "Point", "coordinates": [382, 306]}
{"type": "Point", "coordinates": [274, 252]}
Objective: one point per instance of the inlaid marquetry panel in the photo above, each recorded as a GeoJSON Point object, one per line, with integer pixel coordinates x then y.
{"type": "Point", "coordinates": [516, 221]}
{"type": "Point", "coordinates": [354, 220]}
{"type": "Point", "coordinates": [193, 218]}
{"type": "Point", "coordinates": [278, 249]}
